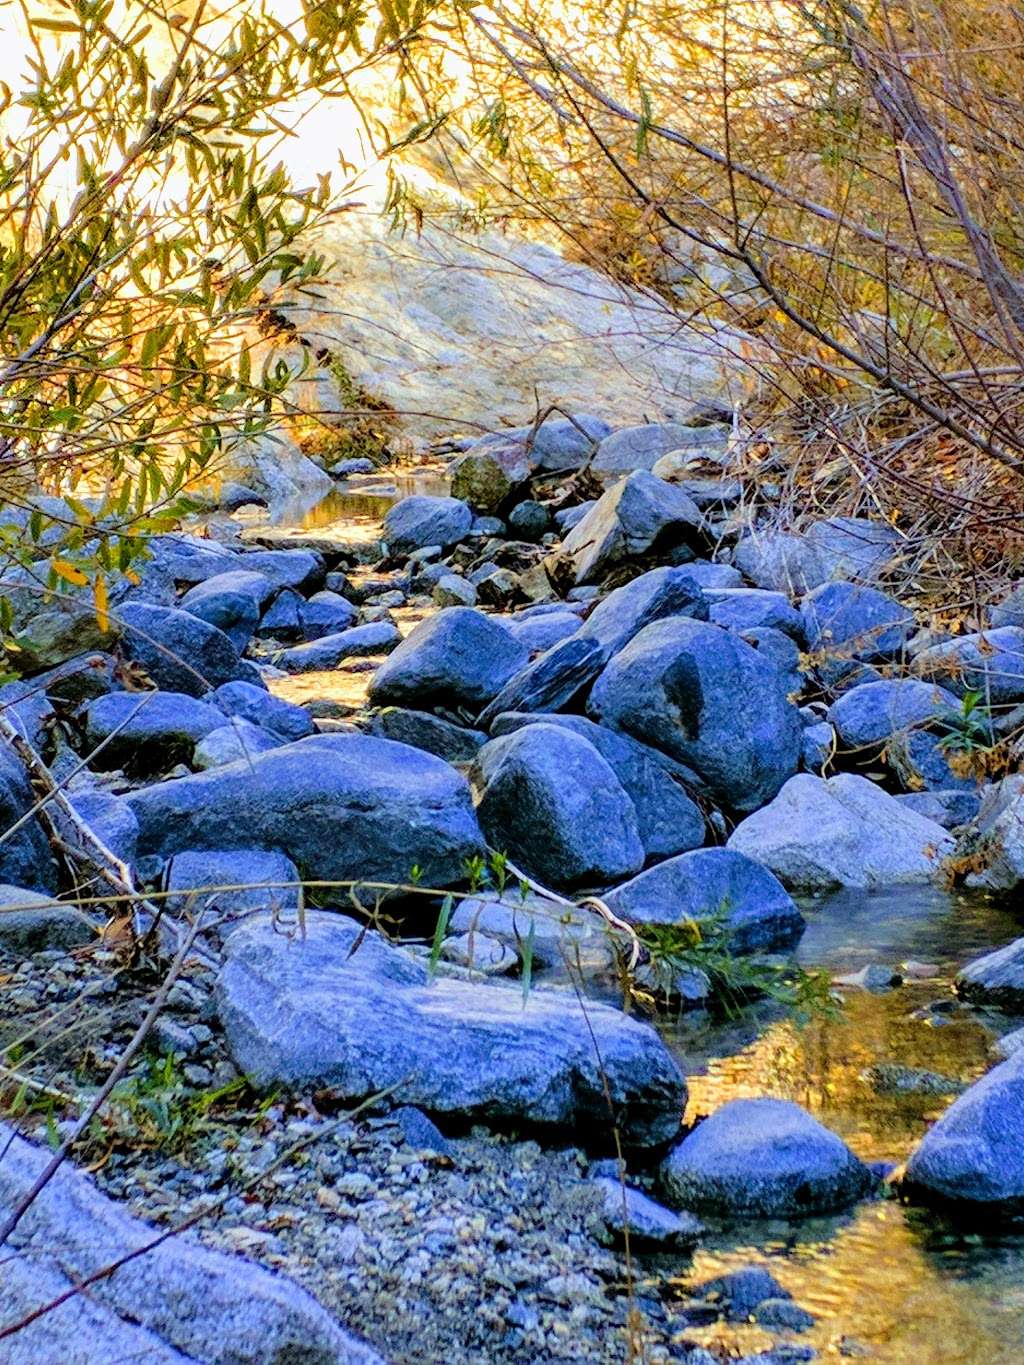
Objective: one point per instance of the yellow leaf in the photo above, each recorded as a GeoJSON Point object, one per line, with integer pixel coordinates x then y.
{"type": "Point", "coordinates": [101, 602]}
{"type": "Point", "coordinates": [69, 572]}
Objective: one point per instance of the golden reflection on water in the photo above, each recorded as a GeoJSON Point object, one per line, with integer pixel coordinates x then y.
{"type": "Point", "coordinates": [894, 1285]}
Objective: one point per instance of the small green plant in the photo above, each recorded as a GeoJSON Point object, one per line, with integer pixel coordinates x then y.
{"type": "Point", "coordinates": [157, 1107]}
{"type": "Point", "coordinates": [688, 946]}
{"type": "Point", "coordinates": [440, 930]}
{"type": "Point", "coordinates": [476, 871]}
{"type": "Point", "coordinates": [968, 730]}
{"type": "Point", "coordinates": [499, 871]}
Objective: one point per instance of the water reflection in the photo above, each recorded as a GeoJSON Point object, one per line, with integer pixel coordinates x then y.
{"type": "Point", "coordinates": [900, 1286]}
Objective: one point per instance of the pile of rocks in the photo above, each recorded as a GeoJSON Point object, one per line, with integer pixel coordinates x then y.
{"type": "Point", "coordinates": [620, 683]}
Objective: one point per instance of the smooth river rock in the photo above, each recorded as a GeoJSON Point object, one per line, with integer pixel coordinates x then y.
{"type": "Point", "coordinates": [308, 1012]}
{"type": "Point", "coordinates": [340, 806]}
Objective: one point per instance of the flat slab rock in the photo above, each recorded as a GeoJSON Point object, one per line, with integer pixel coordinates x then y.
{"type": "Point", "coordinates": [308, 1012]}
{"type": "Point", "coordinates": [179, 1302]}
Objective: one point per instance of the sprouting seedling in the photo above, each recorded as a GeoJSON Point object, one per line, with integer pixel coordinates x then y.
{"type": "Point", "coordinates": [475, 869]}
{"type": "Point", "coordinates": [415, 874]}
{"type": "Point", "coordinates": [440, 930]}
{"type": "Point", "coordinates": [524, 890]}
{"type": "Point", "coordinates": [499, 870]}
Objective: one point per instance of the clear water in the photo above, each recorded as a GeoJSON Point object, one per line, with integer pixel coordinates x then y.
{"type": "Point", "coordinates": [900, 1286]}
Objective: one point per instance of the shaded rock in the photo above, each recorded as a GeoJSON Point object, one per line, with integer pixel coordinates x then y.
{"type": "Point", "coordinates": [740, 1293]}
{"type": "Point", "coordinates": [668, 820]}
{"type": "Point", "coordinates": [637, 516]}
{"type": "Point", "coordinates": [648, 1223]}
{"type": "Point", "coordinates": [999, 828]}
{"type": "Point", "coordinates": [873, 712]}
{"type": "Point", "coordinates": [177, 1302]}
{"type": "Point", "coordinates": [845, 621]}
{"type": "Point", "coordinates": [303, 570]}
{"type": "Point", "coordinates": [180, 652]}
{"type": "Point", "coordinates": [990, 662]}
{"type": "Point", "coordinates": [111, 818]}
{"type": "Point", "coordinates": [844, 831]}
{"type": "Point", "coordinates": [487, 475]}
{"type": "Point", "coordinates": [996, 979]}
{"type": "Point", "coordinates": [854, 547]}
{"type": "Point", "coordinates": [248, 881]}
{"type": "Point", "coordinates": [557, 443]}
{"type": "Point", "coordinates": [743, 608]}
{"type": "Point", "coordinates": [783, 1313]}
{"type": "Point", "coordinates": [30, 923]}
{"type": "Point", "coordinates": [973, 1157]}
{"type": "Point", "coordinates": [453, 743]}
{"type": "Point", "coordinates": [25, 857]}
{"type": "Point", "coordinates": [263, 709]}
{"type": "Point", "coordinates": [376, 637]}
{"type": "Point", "coordinates": [818, 746]}
{"type": "Point", "coordinates": [569, 517]}
{"type": "Point", "coordinates": [292, 617]}
{"type": "Point", "coordinates": [231, 602]}
{"type": "Point", "coordinates": [529, 521]}
{"type": "Point", "coordinates": [147, 731]}
{"type": "Point", "coordinates": [452, 590]}
{"type": "Point", "coordinates": [539, 633]}
{"type": "Point", "coordinates": [306, 1012]}
{"type": "Point", "coordinates": [458, 657]}
{"type": "Point", "coordinates": [639, 448]}
{"type": "Point", "coordinates": [707, 698]}
{"type": "Point", "coordinates": [236, 739]}
{"type": "Point", "coordinates": [559, 675]}
{"type": "Point", "coordinates": [780, 562]}
{"type": "Point", "coordinates": [340, 806]}
{"type": "Point", "coordinates": [422, 520]}
{"type": "Point", "coordinates": [708, 575]}
{"type": "Point", "coordinates": [781, 650]}
{"type": "Point", "coordinates": [764, 1158]}
{"type": "Point", "coordinates": [716, 884]}
{"type": "Point", "coordinates": [554, 805]}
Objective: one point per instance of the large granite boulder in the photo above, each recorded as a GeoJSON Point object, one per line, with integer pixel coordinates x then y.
{"type": "Point", "coordinates": [639, 448]}
{"type": "Point", "coordinates": [423, 520]}
{"type": "Point", "coordinates": [713, 884]}
{"type": "Point", "coordinates": [341, 807]}
{"type": "Point", "coordinates": [169, 1300]}
{"type": "Point", "coordinates": [179, 651]}
{"type": "Point", "coordinates": [845, 831]}
{"type": "Point", "coordinates": [457, 657]}
{"type": "Point", "coordinates": [552, 803]}
{"type": "Point", "coordinates": [763, 1158]}
{"type": "Point", "coordinates": [668, 820]}
{"type": "Point", "coordinates": [146, 732]}
{"type": "Point", "coordinates": [638, 516]}
{"type": "Point", "coordinates": [973, 1158]}
{"type": "Point", "coordinates": [707, 698]}
{"type": "Point", "coordinates": [345, 1009]}
{"type": "Point", "coordinates": [231, 602]}
{"type": "Point", "coordinates": [567, 669]}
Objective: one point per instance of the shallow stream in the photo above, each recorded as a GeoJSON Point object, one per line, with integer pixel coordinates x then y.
{"type": "Point", "coordinates": [893, 1284]}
